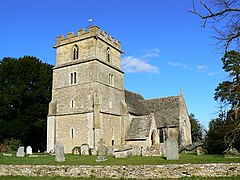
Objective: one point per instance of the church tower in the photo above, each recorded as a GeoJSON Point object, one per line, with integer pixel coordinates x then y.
{"type": "Point", "coordinates": [87, 91]}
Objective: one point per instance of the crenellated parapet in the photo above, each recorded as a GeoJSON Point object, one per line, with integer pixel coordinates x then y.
{"type": "Point", "coordinates": [93, 31]}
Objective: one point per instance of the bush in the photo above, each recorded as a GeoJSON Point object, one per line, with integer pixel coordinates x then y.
{"type": "Point", "coordinates": [15, 144]}
{"type": "Point", "coordinates": [5, 146]}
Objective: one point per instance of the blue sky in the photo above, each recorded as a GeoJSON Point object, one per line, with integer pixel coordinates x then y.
{"type": "Point", "coordinates": [166, 49]}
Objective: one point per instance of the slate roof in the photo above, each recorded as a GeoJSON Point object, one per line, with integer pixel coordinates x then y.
{"type": "Point", "coordinates": [139, 128]}
{"type": "Point", "coordinates": [135, 103]}
{"type": "Point", "coordinates": [166, 110]}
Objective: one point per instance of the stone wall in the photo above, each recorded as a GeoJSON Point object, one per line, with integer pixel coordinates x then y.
{"type": "Point", "coordinates": [129, 171]}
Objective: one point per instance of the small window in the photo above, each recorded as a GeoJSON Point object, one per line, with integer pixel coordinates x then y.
{"type": "Point", "coordinates": [75, 52]}
{"type": "Point", "coordinates": [72, 133]}
{"type": "Point", "coordinates": [72, 103]}
{"type": "Point", "coordinates": [73, 78]}
{"type": "Point", "coordinates": [112, 142]}
{"type": "Point", "coordinates": [161, 136]}
{"type": "Point", "coordinates": [108, 55]}
{"type": "Point", "coordinates": [110, 79]}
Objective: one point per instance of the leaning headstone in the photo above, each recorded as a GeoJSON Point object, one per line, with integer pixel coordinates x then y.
{"type": "Point", "coordinates": [59, 153]}
{"type": "Point", "coordinates": [172, 149]}
{"type": "Point", "coordinates": [20, 152]}
{"type": "Point", "coordinates": [84, 149]}
{"type": "Point", "coordinates": [101, 151]}
{"type": "Point", "coordinates": [29, 150]}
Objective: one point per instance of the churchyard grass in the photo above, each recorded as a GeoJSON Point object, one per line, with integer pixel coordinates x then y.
{"type": "Point", "coordinates": [134, 160]}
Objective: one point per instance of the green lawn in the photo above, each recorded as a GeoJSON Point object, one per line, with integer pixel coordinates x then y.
{"type": "Point", "coordinates": [135, 160]}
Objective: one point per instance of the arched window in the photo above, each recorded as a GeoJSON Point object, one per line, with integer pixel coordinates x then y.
{"type": "Point", "coordinates": [108, 54]}
{"type": "Point", "coordinates": [75, 52]}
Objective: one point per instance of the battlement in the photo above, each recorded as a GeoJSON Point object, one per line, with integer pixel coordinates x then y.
{"type": "Point", "coordinates": [93, 31]}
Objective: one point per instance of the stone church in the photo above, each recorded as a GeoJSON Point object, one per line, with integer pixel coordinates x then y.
{"type": "Point", "coordinates": [89, 101]}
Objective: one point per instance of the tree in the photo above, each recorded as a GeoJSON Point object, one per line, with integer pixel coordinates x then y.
{"type": "Point", "coordinates": [25, 92]}
{"type": "Point", "coordinates": [196, 129]}
{"type": "Point", "coordinates": [214, 141]}
{"type": "Point", "coordinates": [228, 94]}
{"type": "Point", "coordinates": [224, 15]}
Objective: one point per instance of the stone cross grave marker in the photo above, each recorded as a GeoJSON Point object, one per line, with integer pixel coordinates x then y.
{"type": "Point", "coordinates": [59, 153]}
{"type": "Point", "coordinates": [29, 150]}
{"type": "Point", "coordinates": [20, 152]}
{"type": "Point", "coordinates": [172, 149]}
{"type": "Point", "coordinates": [101, 151]}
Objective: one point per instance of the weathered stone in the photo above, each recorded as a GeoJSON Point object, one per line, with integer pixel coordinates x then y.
{"type": "Point", "coordinates": [101, 151]}
{"type": "Point", "coordinates": [123, 153]}
{"type": "Point", "coordinates": [93, 152]}
{"type": "Point", "coordinates": [20, 152]}
{"type": "Point", "coordinates": [81, 110]}
{"type": "Point", "coordinates": [85, 149]}
{"type": "Point", "coordinates": [200, 150]}
{"type": "Point", "coordinates": [7, 154]}
{"type": "Point", "coordinates": [166, 171]}
{"type": "Point", "coordinates": [59, 153]}
{"type": "Point", "coordinates": [76, 150]}
{"type": "Point", "coordinates": [172, 149]}
{"type": "Point", "coordinates": [29, 150]}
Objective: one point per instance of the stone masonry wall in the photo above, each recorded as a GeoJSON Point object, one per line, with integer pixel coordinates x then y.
{"type": "Point", "coordinates": [129, 171]}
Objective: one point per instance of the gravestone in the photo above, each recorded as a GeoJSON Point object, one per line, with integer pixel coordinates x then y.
{"type": "Point", "coordinates": [172, 149]}
{"type": "Point", "coordinates": [76, 150]}
{"type": "Point", "coordinates": [123, 153]}
{"type": "Point", "coordinates": [20, 152]}
{"type": "Point", "coordinates": [29, 150]}
{"type": "Point", "coordinates": [84, 149]}
{"type": "Point", "coordinates": [59, 153]}
{"type": "Point", "coordinates": [101, 151]}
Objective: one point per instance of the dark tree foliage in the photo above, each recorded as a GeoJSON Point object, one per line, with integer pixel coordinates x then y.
{"type": "Point", "coordinates": [214, 141]}
{"type": "Point", "coordinates": [25, 92]}
{"type": "Point", "coordinates": [229, 91]}
{"type": "Point", "coordinates": [196, 129]}
{"type": "Point", "coordinates": [224, 132]}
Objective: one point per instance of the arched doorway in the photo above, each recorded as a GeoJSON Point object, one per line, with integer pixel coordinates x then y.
{"type": "Point", "coordinates": [153, 137]}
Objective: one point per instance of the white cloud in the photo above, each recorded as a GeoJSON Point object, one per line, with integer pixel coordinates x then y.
{"type": "Point", "coordinates": [201, 68]}
{"type": "Point", "coordinates": [214, 73]}
{"type": "Point", "coordinates": [152, 53]}
{"type": "Point", "coordinates": [176, 64]}
{"type": "Point", "coordinates": [132, 64]}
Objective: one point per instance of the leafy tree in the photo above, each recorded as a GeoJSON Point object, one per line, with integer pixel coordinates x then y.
{"type": "Point", "coordinates": [229, 91]}
{"type": "Point", "coordinates": [224, 16]}
{"type": "Point", "coordinates": [196, 129]}
{"type": "Point", "coordinates": [214, 141]}
{"type": "Point", "coordinates": [25, 91]}
{"type": "Point", "coordinates": [228, 94]}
